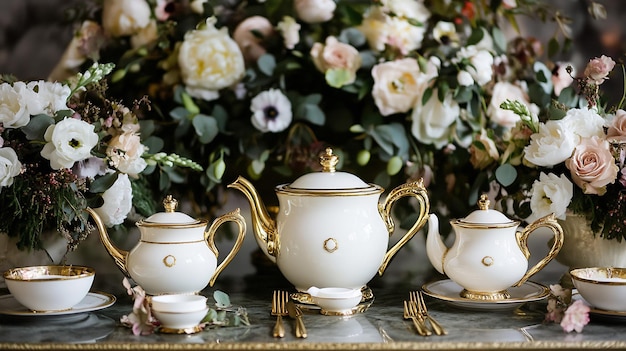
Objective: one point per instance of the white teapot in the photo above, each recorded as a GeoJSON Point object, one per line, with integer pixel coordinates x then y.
{"type": "Point", "coordinates": [176, 253]}
{"type": "Point", "coordinates": [331, 229]}
{"type": "Point", "coordinates": [489, 255]}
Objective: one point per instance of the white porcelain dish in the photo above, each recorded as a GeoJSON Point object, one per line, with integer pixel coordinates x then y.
{"type": "Point", "coordinates": [335, 300]}
{"type": "Point", "coordinates": [180, 320]}
{"type": "Point", "coordinates": [603, 287]}
{"type": "Point", "coordinates": [178, 303]}
{"type": "Point", "coordinates": [49, 288]}
{"type": "Point", "coordinates": [450, 292]}
{"type": "Point", "coordinates": [94, 301]}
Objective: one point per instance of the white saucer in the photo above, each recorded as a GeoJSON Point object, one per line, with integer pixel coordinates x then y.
{"type": "Point", "coordinates": [450, 292]}
{"type": "Point", "coordinates": [92, 302]}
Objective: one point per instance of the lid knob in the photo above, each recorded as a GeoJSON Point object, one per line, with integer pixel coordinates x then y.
{"type": "Point", "coordinates": [483, 203]}
{"type": "Point", "coordinates": [328, 160]}
{"type": "Point", "coordinates": [170, 203]}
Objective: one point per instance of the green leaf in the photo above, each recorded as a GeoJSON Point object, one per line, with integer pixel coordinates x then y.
{"type": "Point", "coordinates": [164, 181]}
{"type": "Point", "coordinates": [221, 299]}
{"type": "Point", "coordinates": [189, 104]}
{"type": "Point", "coordinates": [155, 144]}
{"type": "Point", "coordinates": [267, 64]}
{"type": "Point", "coordinates": [337, 77]}
{"type": "Point", "coordinates": [499, 40]}
{"type": "Point", "coordinates": [179, 113]}
{"type": "Point", "coordinates": [206, 128]}
{"type": "Point", "coordinates": [36, 128]}
{"type": "Point", "coordinates": [506, 174]}
{"type": "Point", "coordinates": [313, 114]}
{"type": "Point", "coordinates": [101, 184]}
{"type": "Point", "coordinates": [553, 47]}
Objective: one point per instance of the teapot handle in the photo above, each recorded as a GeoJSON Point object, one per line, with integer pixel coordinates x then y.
{"type": "Point", "coordinates": [417, 190]}
{"type": "Point", "coordinates": [548, 221]}
{"type": "Point", "coordinates": [209, 237]}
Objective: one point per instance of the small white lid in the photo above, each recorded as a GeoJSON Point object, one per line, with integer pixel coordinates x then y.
{"type": "Point", "coordinates": [170, 216]}
{"type": "Point", "coordinates": [484, 215]}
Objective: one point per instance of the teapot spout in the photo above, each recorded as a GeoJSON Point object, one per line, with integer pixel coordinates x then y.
{"type": "Point", "coordinates": [435, 247]}
{"type": "Point", "coordinates": [264, 227]}
{"type": "Point", "coordinates": [118, 255]}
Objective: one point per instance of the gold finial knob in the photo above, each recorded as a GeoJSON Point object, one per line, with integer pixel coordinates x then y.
{"type": "Point", "coordinates": [483, 203]}
{"type": "Point", "coordinates": [170, 203]}
{"type": "Point", "coordinates": [328, 160]}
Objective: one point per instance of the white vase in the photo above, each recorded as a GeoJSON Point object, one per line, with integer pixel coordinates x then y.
{"type": "Point", "coordinates": [584, 248]}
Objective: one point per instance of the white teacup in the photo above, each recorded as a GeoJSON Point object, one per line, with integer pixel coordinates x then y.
{"type": "Point", "coordinates": [335, 300]}
{"type": "Point", "coordinates": [602, 287]}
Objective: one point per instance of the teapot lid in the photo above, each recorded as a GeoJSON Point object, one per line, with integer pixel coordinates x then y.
{"type": "Point", "coordinates": [484, 215]}
{"type": "Point", "coordinates": [329, 178]}
{"type": "Point", "coordinates": [170, 216]}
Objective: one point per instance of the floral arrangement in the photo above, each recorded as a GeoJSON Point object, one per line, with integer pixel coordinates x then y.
{"type": "Point", "coordinates": [570, 159]}
{"type": "Point", "coordinates": [399, 88]}
{"type": "Point", "coordinates": [570, 314]}
{"type": "Point", "coordinates": [142, 321]}
{"type": "Point", "coordinates": [65, 147]}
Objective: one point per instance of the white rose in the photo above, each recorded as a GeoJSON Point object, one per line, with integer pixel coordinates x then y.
{"type": "Point", "coordinates": [209, 59]}
{"type": "Point", "coordinates": [407, 8]}
{"type": "Point", "coordinates": [10, 166]}
{"type": "Point", "coordinates": [125, 151]}
{"type": "Point", "coordinates": [124, 17]}
{"type": "Point", "coordinates": [397, 85]}
{"type": "Point", "coordinates": [13, 112]}
{"type": "Point", "coordinates": [481, 63]}
{"type": "Point", "coordinates": [290, 30]}
{"type": "Point", "coordinates": [432, 122]}
{"type": "Point", "coordinates": [464, 78]}
{"type": "Point", "coordinates": [68, 141]}
{"type": "Point", "coordinates": [315, 11]}
{"type": "Point", "coordinates": [118, 201]}
{"type": "Point", "coordinates": [584, 122]}
{"type": "Point", "coordinates": [552, 145]}
{"type": "Point", "coordinates": [550, 194]}
{"type": "Point", "coordinates": [501, 92]}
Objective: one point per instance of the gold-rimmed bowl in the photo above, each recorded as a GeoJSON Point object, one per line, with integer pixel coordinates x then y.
{"type": "Point", "coordinates": [49, 288]}
{"type": "Point", "coordinates": [603, 287]}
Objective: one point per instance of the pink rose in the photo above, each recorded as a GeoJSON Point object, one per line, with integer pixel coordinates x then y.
{"type": "Point", "coordinates": [592, 165]}
{"type": "Point", "coordinates": [250, 35]}
{"type": "Point", "coordinates": [617, 128]}
{"type": "Point", "coordinates": [315, 11]}
{"type": "Point", "coordinates": [598, 69]}
{"type": "Point", "coordinates": [336, 55]}
{"type": "Point", "coordinates": [576, 317]}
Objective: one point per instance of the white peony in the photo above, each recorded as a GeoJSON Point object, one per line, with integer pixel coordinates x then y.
{"type": "Point", "coordinates": [413, 9]}
{"type": "Point", "coordinates": [125, 17]}
{"type": "Point", "coordinates": [552, 145]}
{"type": "Point", "coordinates": [397, 85]}
{"type": "Point", "coordinates": [13, 112]}
{"type": "Point", "coordinates": [118, 201]}
{"type": "Point", "coordinates": [68, 141]}
{"type": "Point", "coordinates": [432, 122]}
{"type": "Point", "coordinates": [550, 194]}
{"type": "Point", "coordinates": [44, 97]}
{"type": "Point", "coordinates": [10, 166]}
{"type": "Point", "coordinates": [271, 111]}
{"type": "Point", "coordinates": [584, 123]}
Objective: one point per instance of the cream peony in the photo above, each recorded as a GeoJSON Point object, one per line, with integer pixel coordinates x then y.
{"type": "Point", "coordinates": [335, 55]}
{"type": "Point", "coordinates": [550, 194]}
{"type": "Point", "coordinates": [125, 151]}
{"type": "Point", "coordinates": [290, 30]}
{"type": "Point", "coordinates": [13, 112]}
{"type": "Point", "coordinates": [68, 141]}
{"type": "Point", "coordinates": [592, 165]}
{"type": "Point", "coordinates": [433, 121]}
{"type": "Point", "coordinates": [381, 30]}
{"type": "Point", "coordinates": [501, 92]}
{"type": "Point", "coordinates": [250, 35]}
{"type": "Point", "coordinates": [125, 17]}
{"type": "Point", "coordinates": [209, 60]}
{"type": "Point", "coordinates": [397, 85]}
{"type": "Point", "coordinates": [315, 11]}
{"type": "Point", "coordinates": [413, 9]}
{"type": "Point", "coordinates": [552, 145]}
{"type": "Point", "coordinates": [10, 166]}
{"type": "Point", "coordinates": [118, 201]}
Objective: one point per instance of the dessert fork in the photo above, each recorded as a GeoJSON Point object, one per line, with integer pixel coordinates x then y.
{"type": "Point", "coordinates": [279, 299]}
{"type": "Point", "coordinates": [417, 302]}
{"type": "Point", "coordinates": [418, 321]}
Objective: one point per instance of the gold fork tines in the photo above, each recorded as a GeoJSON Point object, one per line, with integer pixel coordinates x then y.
{"type": "Point", "coordinates": [277, 310]}
{"type": "Point", "coordinates": [417, 322]}
{"type": "Point", "coordinates": [417, 302]}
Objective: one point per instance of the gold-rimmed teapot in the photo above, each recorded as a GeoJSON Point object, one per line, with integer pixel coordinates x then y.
{"type": "Point", "coordinates": [489, 255]}
{"type": "Point", "coordinates": [176, 254]}
{"type": "Point", "coordinates": [331, 229]}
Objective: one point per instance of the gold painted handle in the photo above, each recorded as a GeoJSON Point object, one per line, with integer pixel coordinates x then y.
{"type": "Point", "coordinates": [417, 190]}
{"type": "Point", "coordinates": [119, 256]}
{"type": "Point", "coordinates": [209, 237]}
{"type": "Point", "coordinates": [548, 221]}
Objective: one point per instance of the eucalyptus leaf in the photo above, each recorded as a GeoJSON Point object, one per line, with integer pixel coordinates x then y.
{"type": "Point", "coordinates": [155, 144]}
{"type": "Point", "coordinates": [506, 174]}
{"type": "Point", "coordinates": [101, 184]}
{"type": "Point", "coordinates": [222, 300]}
{"type": "Point", "coordinates": [314, 114]}
{"type": "Point", "coordinates": [179, 113]}
{"type": "Point", "coordinates": [267, 64]}
{"type": "Point", "coordinates": [206, 128]}
{"type": "Point", "coordinates": [36, 128]}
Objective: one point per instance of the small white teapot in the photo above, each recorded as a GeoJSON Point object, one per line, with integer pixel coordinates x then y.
{"type": "Point", "coordinates": [176, 253]}
{"type": "Point", "coordinates": [489, 254]}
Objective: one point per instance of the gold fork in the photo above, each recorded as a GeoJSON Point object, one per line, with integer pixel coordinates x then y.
{"type": "Point", "coordinates": [417, 321]}
{"type": "Point", "coordinates": [418, 304]}
{"type": "Point", "coordinates": [278, 310]}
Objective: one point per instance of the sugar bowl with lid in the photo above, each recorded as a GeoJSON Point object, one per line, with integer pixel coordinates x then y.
{"type": "Point", "coordinates": [176, 253]}
{"type": "Point", "coordinates": [489, 253]}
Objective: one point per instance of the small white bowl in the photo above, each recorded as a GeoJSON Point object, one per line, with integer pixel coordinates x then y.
{"type": "Point", "coordinates": [335, 300]}
{"type": "Point", "coordinates": [180, 320]}
{"type": "Point", "coordinates": [178, 303]}
{"type": "Point", "coordinates": [49, 288]}
{"type": "Point", "coordinates": [602, 287]}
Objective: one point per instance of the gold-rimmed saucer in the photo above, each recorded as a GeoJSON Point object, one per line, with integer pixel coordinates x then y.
{"type": "Point", "coordinates": [305, 302]}
{"type": "Point", "coordinates": [450, 292]}
{"type": "Point", "coordinates": [191, 330]}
